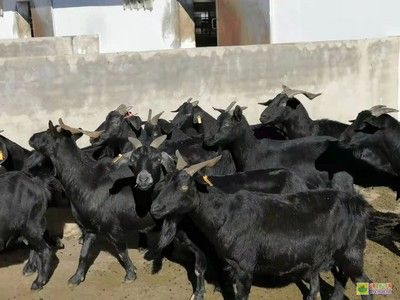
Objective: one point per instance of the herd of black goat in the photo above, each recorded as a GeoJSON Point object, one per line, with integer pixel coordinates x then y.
{"type": "Point", "coordinates": [274, 199]}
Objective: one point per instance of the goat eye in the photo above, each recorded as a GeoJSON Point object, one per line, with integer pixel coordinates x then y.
{"type": "Point", "coordinates": [184, 188]}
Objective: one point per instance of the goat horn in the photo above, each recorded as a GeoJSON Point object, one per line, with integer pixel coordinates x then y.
{"type": "Point", "coordinates": [219, 109]}
{"type": "Point", "coordinates": [149, 115]}
{"type": "Point", "coordinates": [195, 103]}
{"type": "Point", "coordinates": [243, 108]}
{"type": "Point", "coordinates": [197, 167]}
{"type": "Point", "coordinates": [376, 107]}
{"type": "Point", "coordinates": [189, 100]}
{"type": "Point", "coordinates": [158, 141]}
{"type": "Point", "coordinates": [154, 120]}
{"type": "Point", "coordinates": [383, 110]}
{"type": "Point", "coordinates": [291, 93]}
{"type": "Point", "coordinates": [135, 143]}
{"type": "Point", "coordinates": [92, 134]}
{"type": "Point", "coordinates": [122, 109]}
{"type": "Point", "coordinates": [181, 163]}
{"type": "Point", "coordinates": [230, 106]}
{"type": "Point", "coordinates": [69, 128]}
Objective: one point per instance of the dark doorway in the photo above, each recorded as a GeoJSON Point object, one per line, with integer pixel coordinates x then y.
{"type": "Point", "coordinates": [205, 20]}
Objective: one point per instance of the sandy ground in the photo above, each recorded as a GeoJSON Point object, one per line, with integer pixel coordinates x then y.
{"type": "Point", "coordinates": [104, 279]}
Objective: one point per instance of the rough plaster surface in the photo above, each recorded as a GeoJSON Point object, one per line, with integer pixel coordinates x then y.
{"type": "Point", "coordinates": [50, 46]}
{"type": "Point", "coordinates": [352, 75]}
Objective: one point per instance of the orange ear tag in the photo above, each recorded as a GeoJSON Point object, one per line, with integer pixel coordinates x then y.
{"type": "Point", "coordinates": [207, 180]}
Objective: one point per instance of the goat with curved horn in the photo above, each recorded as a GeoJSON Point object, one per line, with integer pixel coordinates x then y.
{"type": "Point", "coordinates": [376, 107]}
{"type": "Point", "coordinates": [69, 128]}
{"type": "Point", "coordinates": [158, 141]}
{"type": "Point", "coordinates": [181, 163]}
{"type": "Point", "coordinates": [135, 143]}
{"type": "Point", "coordinates": [230, 106]}
{"type": "Point", "coordinates": [123, 109]}
{"type": "Point", "coordinates": [291, 93]}
{"type": "Point", "coordinates": [197, 167]}
{"type": "Point", "coordinates": [154, 120]}
{"type": "Point", "coordinates": [383, 110]}
{"type": "Point", "coordinates": [93, 134]}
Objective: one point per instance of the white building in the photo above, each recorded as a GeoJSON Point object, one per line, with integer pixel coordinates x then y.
{"type": "Point", "coordinates": [137, 25]}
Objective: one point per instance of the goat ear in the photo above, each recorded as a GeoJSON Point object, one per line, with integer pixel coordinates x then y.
{"type": "Point", "coordinates": [136, 122]}
{"type": "Point", "coordinates": [168, 232]}
{"type": "Point", "coordinates": [51, 127]}
{"type": "Point", "coordinates": [237, 113]}
{"type": "Point", "coordinates": [168, 162]}
{"type": "Point", "coordinates": [266, 103]}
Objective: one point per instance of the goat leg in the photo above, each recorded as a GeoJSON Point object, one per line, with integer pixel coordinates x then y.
{"type": "Point", "coordinates": [31, 265]}
{"type": "Point", "coordinates": [200, 265]}
{"type": "Point", "coordinates": [79, 276]}
{"type": "Point", "coordinates": [125, 261]}
{"type": "Point", "coordinates": [314, 287]}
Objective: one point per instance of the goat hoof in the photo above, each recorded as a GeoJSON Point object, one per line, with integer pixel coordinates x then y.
{"type": "Point", "coordinates": [197, 296]}
{"type": "Point", "coordinates": [75, 280]}
{"type": "Point", "coordinates": [130, 278]}
{"type": "Point", "coordinates": [36, 285]}
{"type": "Point", "coordinates": [29, 269]}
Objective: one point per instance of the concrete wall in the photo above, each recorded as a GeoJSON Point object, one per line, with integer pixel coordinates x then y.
{"type": "Point", "coordinates": [122, 30]}
{"type": "Point", "coordinates": [316, 20]}
{"type": "Point", "coordinates": [352, 75]}
{"type": "Point", "coordinates": [242, 22]}
{"type": "Point", "coordinates": [49, 46]}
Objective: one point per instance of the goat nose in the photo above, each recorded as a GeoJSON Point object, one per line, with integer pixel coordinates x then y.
{"type": "Point", "coordinates": [144, 177]}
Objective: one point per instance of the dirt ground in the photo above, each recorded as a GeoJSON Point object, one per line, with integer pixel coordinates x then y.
{"type": "Point", "coordinates": [105, 277]}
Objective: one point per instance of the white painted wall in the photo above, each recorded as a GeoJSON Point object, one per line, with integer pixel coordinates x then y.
{"type": "Point", "coordinates": [8, 25]}
{"type": "Point", "coordinates": [8, 22]}
{"type": "Point", "coordinates": [316, 20]}
{"type": "Point", "coordinates": [120, 30]}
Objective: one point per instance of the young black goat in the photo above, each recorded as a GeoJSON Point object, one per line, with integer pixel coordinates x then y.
{"type": "Point", "coordinates": [258, 234]}
{"type": "Point", "coordinates": [87, 184]}
{"type": "Point", "coordinates": [22, 214]}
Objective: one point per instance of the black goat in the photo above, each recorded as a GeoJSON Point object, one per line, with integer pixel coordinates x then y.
{"type": "Point", "coordinates": [87, 184]}
{"type": "Point", "coordinates": [296, 235]}
{"type": "Point", "coordinates": [249, 153]}
{"type": "Point", "coordinates": [22, 214]}
{"type": "Point", "coordinates": [375, 129]}
{"type": "Point", "coordinates": [289, 115]}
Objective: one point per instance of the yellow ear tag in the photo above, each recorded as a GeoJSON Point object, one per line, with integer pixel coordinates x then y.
{"type": "Point", "coordinates": [1, 155]}
{"type": "Point", "coordinates": [199, 119]}
{"type": "Point", "coordinates": [207, 180]}
{"type": "Point", "coordinates": [117, 159]}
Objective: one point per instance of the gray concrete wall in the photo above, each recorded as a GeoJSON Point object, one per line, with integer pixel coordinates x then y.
{"type": "Point", "coordinates": [352, 75]}
{"type": "Point", "coordinates": [49, 46]}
